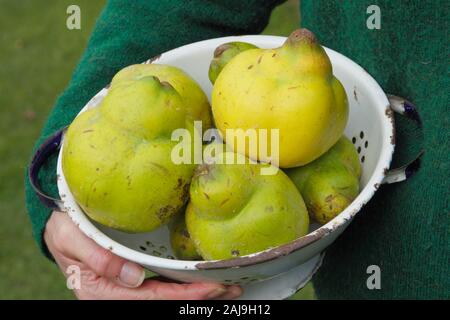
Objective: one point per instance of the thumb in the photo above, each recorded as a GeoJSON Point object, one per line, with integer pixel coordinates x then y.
{"type": "Point", "coordinates": [101, 261]}
{"type": "Point", "coordinates": [106, 264]}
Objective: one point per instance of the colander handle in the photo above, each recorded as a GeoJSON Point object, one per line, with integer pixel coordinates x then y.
{"type": "Point", "coordinates": [50, 146]}
{"type": "Point", "coordinates": [408, 109]}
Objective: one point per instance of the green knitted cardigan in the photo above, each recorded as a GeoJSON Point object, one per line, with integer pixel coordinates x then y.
{"type": "Point", "coordinates": [405, 228]}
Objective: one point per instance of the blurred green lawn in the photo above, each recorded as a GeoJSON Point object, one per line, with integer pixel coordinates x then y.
{"type": "Point", "coordinates": [38, 54]}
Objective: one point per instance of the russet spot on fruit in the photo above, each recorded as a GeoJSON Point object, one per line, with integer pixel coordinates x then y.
{"type": "Point", "coordinates": [330, 183]}
{"type": "Point", "coordinates": [235, 211]}
{"type": "Point", "coordinates": [291, 88]}
{"type": "Point", "coordinates": [117, 157]}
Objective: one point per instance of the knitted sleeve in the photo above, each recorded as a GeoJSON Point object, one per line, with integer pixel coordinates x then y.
{"type": "Point", "coordinates": [129, 32]}
{"type": "Point", "coordinates": [404, 229]}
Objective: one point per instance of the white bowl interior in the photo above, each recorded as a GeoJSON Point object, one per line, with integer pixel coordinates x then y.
{"type": "Point", "coordinates": [366, 127]}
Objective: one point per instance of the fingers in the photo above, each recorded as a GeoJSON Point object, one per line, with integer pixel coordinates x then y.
{"type": "Point", "coordinates": [65, 240]}
{"type": "Point", "coordinates": [73, 244]}
{"type": "Point", "coordinates": [156, 290]}
{"type": "Point", "coordinates": [192, 291]}
{"type": "Point", "coordinates": [233, 292]}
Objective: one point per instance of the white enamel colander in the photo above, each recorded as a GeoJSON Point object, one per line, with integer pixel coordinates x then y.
{"type": "Point", "coordinates": [276, 272]}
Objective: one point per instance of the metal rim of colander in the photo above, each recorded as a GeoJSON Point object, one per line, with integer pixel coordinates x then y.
{"type": "Point", "coordinates": [381, 168]}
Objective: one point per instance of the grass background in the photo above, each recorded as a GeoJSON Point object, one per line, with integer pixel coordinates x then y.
{"type": "Point", "coordinates": [38, 54]}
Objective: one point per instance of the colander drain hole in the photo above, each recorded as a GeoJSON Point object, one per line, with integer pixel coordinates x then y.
{"type": "Point", "coordinates": [359, 146]}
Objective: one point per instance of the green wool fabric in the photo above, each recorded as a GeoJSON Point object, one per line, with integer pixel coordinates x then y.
{"type": "Point", "coordinates": [405, 228]}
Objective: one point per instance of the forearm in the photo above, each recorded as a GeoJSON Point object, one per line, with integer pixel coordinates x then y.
{"type": "Point", "coordinates": [128, 33]}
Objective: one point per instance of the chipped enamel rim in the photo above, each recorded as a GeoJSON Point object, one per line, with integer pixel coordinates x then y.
{"type": "Point", "coordinates": [388, 145]}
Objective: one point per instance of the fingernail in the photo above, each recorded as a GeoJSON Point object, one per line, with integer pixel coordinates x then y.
{"type": "Point", "coordinates": [216, 293]}
{"type": "Point", "coordinates": [131, 275]}
{"type": "Point", "coordinates": [234, 291]}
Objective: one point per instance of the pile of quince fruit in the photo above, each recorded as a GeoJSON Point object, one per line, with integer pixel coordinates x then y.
{"type": "Point", "coordinates": [117, 157]}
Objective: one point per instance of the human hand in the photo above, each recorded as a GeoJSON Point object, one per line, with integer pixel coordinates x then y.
{"type": "Point", "coordinates": [107, 276]}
